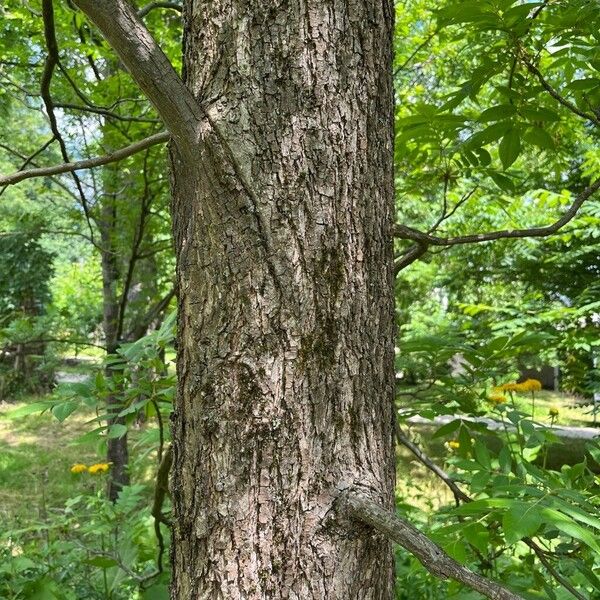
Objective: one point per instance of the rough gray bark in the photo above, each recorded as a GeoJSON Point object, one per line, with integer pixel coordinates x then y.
{"type": "Point", "coordinates": [283, 229]}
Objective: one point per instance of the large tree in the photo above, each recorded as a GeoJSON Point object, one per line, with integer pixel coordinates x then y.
{"type": "Point", "coordinates": [282, 209]}
{"type": "Point", "coordinates": [281, 152]}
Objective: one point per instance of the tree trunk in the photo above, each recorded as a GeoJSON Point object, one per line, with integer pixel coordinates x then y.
{"type": "Point", "coordinates": [117, 452]}
{"type": "Point", "coordinates": [283, 232]}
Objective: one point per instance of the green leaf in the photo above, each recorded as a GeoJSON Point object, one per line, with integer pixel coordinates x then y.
{"type": "Point", "coordinates": [482, 455]}
{"type": "Point", "coordinates": [483, 506]}
{"type": "Point", "coordinates": [510, 147]}
{"type": "Point", "coordinates": [104, 562]}
{"type": "Point", "coordinates": [477, 535]}
{"type": "Point", "coordinates": [484, 156]}
{"type": "Point", "coordinates": [503, 182]}
{"type": "Point", "coordinates": [456, 549]}
{"type": "Point", "coordinates": [577, 513]}
{"type": "Point", "coordinates": [497, 113]}
{"type": "Point", "coordinates": [84, 390]}
{"type": "Point", "coordinates": [518, 14]}
{"type": "Point", "coordinates": [568, 526]}
{"type": "Point", "coordinates": [594, 451]}
{"type": "Point", "coordinates": [116, 431]}
{"type": "Point", "coordinates": [28, 409]}
{"type": "Point", "coordinates": [488, 135]}
{"type": "Point", "coordinates": [539, 114]}
{"type": "Point", "coordinates": [64, 409]}
{"type": "Point", "coordinates": [588, 574]}
{"type": "Point", "coordinates": [134, 407]}
{"type": "Point", "coordinates": [539, 137]}
{"type": "Point", "coordinates": [42, 589]}
{"type": "Point", "coordinates": [584, 84]}
{"type": "Point", "coordinates": [448, 428]}
{"type": "Point", "coordinates": [90, 436]}
{"type": "Point", "coordinates": [521, 520]}
{"type": "Point", "coordinates": [156, 592]}
{"type": "Point", "coordinates": [505, 459]}
{"type": "Point", "coordinates": [17, 565]}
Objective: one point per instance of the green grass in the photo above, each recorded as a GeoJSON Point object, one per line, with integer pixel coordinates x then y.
{"type": "Point", "coordinates": [35, 457]}
{"type": "Point", "coordinates": [571, 411]}
{"type": "Point", "coordinates": [37, 452]}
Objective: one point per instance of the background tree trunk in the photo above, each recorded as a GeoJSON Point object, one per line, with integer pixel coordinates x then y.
{"type": "Point", "coordinates": [117, 452]}
{"type": "Point", "coordinates": [283, 231]}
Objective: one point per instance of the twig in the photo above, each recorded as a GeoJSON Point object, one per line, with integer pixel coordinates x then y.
{"type": "Point", "coordinates": [158, 138]}
{"type": "Point", "coordinates": [107, 113]}
{"type": "Point", "coordinates": [459, 495]}
{"type": "Point", "coordinates": [415, 52]}
{"type": "Point", "coordinates": [404, 232]}
{"type": "Point", "coordinates": [555, 94]}
{"type": "Point", "coordinates": [52, 61]}
{"type": "Point", "coordinates": [152, 5]}
{"type": "Point", "coordinates": [30, 158]}
{"type": "Point", "coordinates": [359, 506]}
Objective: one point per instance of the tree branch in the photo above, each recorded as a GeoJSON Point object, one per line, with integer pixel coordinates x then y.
{"type": "Point", "coordinates": [459, 495]}
{"type": "Point", "coordinates": [106, 113]}
{"type": "Point", "coordinates": [410, 256]}
{"type": "Point", "coordinates": [152, 5]}
{"type": "Point", "coordinates": [59, 183]}
{"type": "Point", "coordinates": [556, 95]}
{"type": "Point", "coordinates": [408, 233]}
{"type": "Point", "coordinates": [158, 138]}
{"type": "Point", "coordinates": [154, 312]}
{"type": "Point", "coordinates": [431, 556]}
{"type": "Point", "coordinates": [52, 61]}
{"type": "Point", "coordinates": [148, 65]}
{"type": "Point", "coordinates": [47, 340]}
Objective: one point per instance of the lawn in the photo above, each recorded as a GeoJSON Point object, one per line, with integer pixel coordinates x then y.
{"type": "Point", "coordinates": [572, 411]}
{"type": "Point", "coordinates": [36, 454]}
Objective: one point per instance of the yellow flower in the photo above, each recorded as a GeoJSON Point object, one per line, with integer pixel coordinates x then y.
{"type": "Point", "coordinates": [99, 468]}
{"type": "Point", "coordinates": [529, 385]}
{"type": "Point", "coordinates": [78, 468]}
{"type": "Point", "coordinates": [532, 385]}
{"type": "Point", "coordinates": [497, 398]}
{"type": "Point", "coordinates": [453, 444]}
{"type": "Point", "coordinates": [553, 412]}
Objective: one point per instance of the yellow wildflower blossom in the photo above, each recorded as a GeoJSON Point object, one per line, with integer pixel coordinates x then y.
{"type": "Point", "coordinates": [78, 468]}
{"type": "Point", "coordinates": [529, 385]}
{"type": "Point", "coordinates": [532, 385]}
{"type": "Point", "coordinates": [553, 412]}
{"type": "Point", "coordinates": [99, 468]}
{"type": "Point", "coordinates": [497, 398]}
{"type": "Point", "coordinates": [508, 387]}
